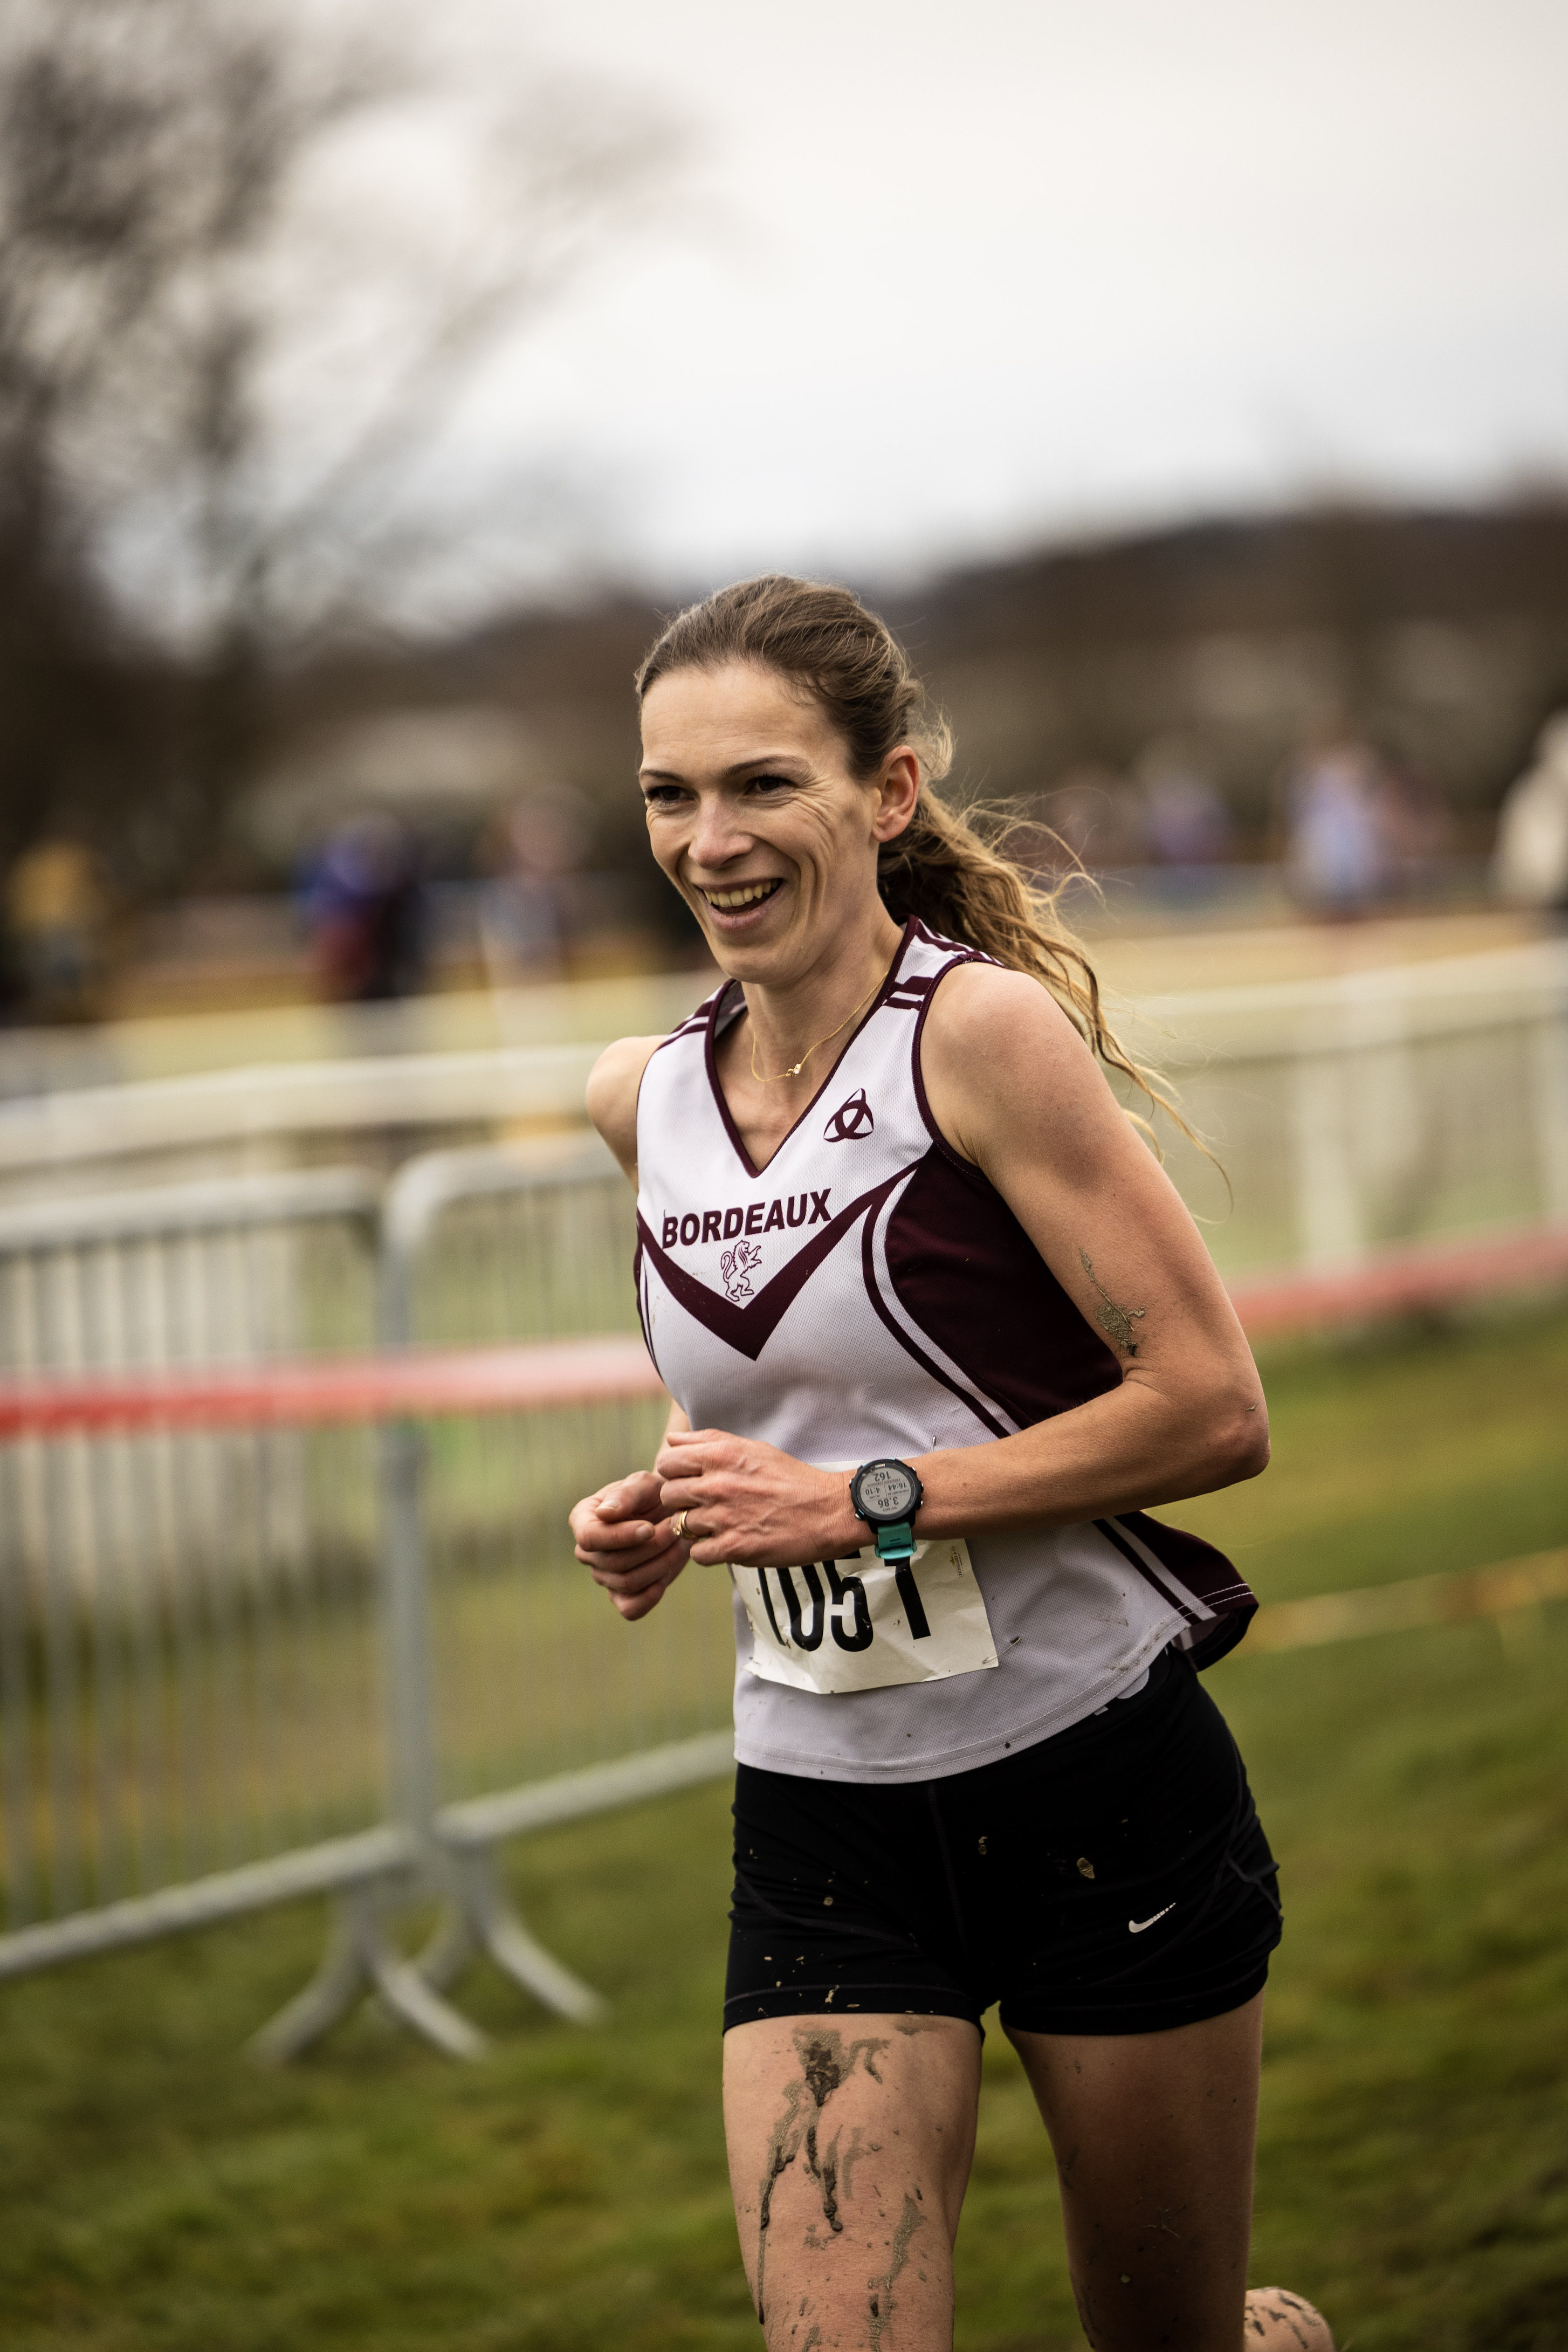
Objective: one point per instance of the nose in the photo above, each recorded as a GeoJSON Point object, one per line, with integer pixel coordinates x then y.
{"type": "Point", "coordinates": [718, 837]}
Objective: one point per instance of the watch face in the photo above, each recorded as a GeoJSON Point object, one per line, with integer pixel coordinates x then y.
{"type": "Point", "coordinates": [888, 1490]}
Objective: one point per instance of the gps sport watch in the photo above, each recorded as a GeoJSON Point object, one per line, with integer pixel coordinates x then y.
{"type": "Point", "coordinates": [887, 1495]}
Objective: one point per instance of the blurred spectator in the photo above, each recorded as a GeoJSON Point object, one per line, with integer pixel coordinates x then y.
{"type": "Point", "coordinates": [1186, 822]}
{"type": "Point", "coordinates": [1415, 827]}
{"type": "Point", "coordinates": [525, 909]}
{"type": "Point", "coordinates": [1531, 862]}
{"type": "Point", "coordinates": [364, 910]}
{"type": "Point", "coordinates": [55, 911]}
{"type": "Point", "coordinates": [1335, 853]}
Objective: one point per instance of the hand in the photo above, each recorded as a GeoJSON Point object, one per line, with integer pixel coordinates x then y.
{"type": "Point", "coordinates": [752, 1505]}
{"type": "Point", "coordinates": [623, 1539]}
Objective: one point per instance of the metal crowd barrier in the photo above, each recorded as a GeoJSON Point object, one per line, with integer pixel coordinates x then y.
{"type": "Point", "coordinates": [1400, 1104]}
{"type": "Point", "coordinates": [172, 1595]}
{"type": "Point", "coordinates": [1350, 1111]}
{"type": "Point", "coordinates": [231, 1268]}
{"type": "Point", "coordinates": [300, 1623]}
{"type": "Point", "coordinates": [218, 1720]}
{"type": "Point", "coordinates": [517, 1695]}
{"type": "Point", "coordinates": [288, 1605]}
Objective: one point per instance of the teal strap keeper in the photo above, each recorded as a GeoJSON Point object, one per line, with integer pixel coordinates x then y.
{"type": "Point", "coordinates": [896, 1542]}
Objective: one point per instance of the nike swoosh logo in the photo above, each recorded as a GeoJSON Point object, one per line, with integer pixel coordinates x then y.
{"type": "Point", "coordinates": [1136, 1927]}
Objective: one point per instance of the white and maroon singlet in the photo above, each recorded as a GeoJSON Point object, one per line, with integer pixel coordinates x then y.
{"type": "Point", "coordinates": [869, 1292]}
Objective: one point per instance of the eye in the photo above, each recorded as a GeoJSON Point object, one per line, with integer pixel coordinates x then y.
{"type": "Point", "coordinates": [664, 796]}
{"type": "Point", "coordinates": [769, 784]}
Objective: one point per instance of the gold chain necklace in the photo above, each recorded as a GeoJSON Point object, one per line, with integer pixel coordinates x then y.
{"type": "Point", "coordinates": [795, 1068]}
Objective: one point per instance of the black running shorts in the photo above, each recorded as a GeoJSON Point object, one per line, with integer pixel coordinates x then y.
{"type": "Point", "coordinates": [1114, 1879]}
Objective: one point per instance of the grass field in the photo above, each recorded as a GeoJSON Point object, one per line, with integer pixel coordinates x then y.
{"type": "Point", "coordinates": [159, 2195]}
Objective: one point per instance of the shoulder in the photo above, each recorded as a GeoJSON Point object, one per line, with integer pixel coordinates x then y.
{"type": "Point", "coordinates": [612, 1095]}
{"type": "Point", "coordinates": [1005, 1069]}
{"type": "Point", "coordinates": [1004, 1018]}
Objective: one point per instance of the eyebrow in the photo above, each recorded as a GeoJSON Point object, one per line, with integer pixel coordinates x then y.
{"type": "Point", "coordinates": [740, 768]}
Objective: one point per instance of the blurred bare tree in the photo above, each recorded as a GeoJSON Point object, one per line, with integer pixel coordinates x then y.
{"type": "Point", "coordinates": [249, 274]}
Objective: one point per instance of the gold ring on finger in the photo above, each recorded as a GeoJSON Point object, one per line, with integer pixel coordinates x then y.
{"type": "Point", "coordinates": [678, 1527]}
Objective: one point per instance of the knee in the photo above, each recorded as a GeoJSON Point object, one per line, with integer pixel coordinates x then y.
{"type": "Point", "coordinates": [1280, 2322]}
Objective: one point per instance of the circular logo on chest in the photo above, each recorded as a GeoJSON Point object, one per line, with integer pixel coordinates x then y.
{"type": "Point", "coordinates": [850, 1122]}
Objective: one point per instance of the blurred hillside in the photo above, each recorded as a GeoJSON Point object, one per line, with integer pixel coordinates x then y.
{"type": "Point", "coordinates": [1443, 637]}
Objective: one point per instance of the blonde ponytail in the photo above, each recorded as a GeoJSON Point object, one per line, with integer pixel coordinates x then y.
{"type": "Point", "coordinates": [942, 869]}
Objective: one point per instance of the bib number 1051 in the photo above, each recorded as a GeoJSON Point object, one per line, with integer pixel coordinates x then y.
{"type": "Point", "coordinates": [842, 1611]}
{"type": "Point", "coordinates": [861, 1622]}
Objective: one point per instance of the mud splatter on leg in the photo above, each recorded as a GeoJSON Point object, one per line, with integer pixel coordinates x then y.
{"type": "Point", "coordinates": [823, 2167]}
{"type": "Point", "coordinates": [825, 2066]}
{"type": "Point", "coordinates": [1287, 2321]}
{"type": "Point", "coordinates": [881, 2305]}
{"type": "Point", "coordinates": [812, 2340]}
{"type": "Point", "coordinates": [846, 2160]}
{"type": "Point", "coordinates": [783, 2146]}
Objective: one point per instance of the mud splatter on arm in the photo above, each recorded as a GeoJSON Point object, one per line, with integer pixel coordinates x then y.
{"type": "Point", "coordinates": [1116, 1322]}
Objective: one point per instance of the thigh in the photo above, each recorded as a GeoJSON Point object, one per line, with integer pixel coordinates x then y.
{"type": "Point", "coordinates": [850, 2142]}
{"type": "Point", "coordinates": [1154, 2136]}
{"type": "Point", "coordinates": [840, 1905]}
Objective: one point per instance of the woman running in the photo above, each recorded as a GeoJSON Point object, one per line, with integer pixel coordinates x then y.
{"type": "Point", "coordinates": [939, 1329]}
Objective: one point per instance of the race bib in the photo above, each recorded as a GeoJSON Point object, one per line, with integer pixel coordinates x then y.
{"type": "Point", "coordinates": [859, 1623]}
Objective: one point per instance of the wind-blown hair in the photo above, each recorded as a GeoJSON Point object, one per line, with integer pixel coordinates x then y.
{"type": "Point", "coordinates": [943, 867]}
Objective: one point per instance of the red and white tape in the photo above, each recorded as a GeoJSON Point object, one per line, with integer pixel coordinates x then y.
{"type": "Point", "coordinates": [421, 1383]}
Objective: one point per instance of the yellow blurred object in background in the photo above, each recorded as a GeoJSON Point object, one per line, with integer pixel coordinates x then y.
{"type": "Point", "coordinates": [55, 911]}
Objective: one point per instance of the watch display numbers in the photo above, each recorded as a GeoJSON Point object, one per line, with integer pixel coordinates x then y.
{"type": "Point", "coordinates": [888, 1488]}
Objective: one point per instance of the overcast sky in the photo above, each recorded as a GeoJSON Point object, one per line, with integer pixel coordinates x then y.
{"type": "Point", "coordinates": [961, 277]}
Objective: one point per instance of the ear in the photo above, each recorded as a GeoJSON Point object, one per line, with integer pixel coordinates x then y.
{"type": "Point", "coordinates": [897, 789]}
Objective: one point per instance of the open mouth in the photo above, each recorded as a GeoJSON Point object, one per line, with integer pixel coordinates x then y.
{"type": "Point", "coordinates": [741, 895]}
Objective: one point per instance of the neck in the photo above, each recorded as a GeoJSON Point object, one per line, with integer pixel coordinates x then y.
{"type": "Point", "coordinates": [790, 1019]}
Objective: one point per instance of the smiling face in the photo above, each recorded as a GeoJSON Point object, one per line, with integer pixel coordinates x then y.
{"type": "Point", "coordinates": [755, 817]}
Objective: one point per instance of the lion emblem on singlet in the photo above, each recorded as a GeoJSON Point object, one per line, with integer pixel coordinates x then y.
{"type": "Point", "coordinates": [737, 1266]}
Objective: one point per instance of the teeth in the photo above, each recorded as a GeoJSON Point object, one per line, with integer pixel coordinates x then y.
{"type": "Point", "coordinates": [745, 896]}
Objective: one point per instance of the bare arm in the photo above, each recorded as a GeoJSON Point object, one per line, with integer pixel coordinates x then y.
{"type": "Point", "coordinates": [612, 1096]}
{"type": "Point", "coordinates": [1015, 1091]}
{"type": "Point", "coordinates": [622, 1531]}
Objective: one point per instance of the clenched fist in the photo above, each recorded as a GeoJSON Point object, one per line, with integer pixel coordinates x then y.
{"type": "Point", "coordinates": [744, 1501]}
{"type": "Point", "coordinates": [624, 1537]}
